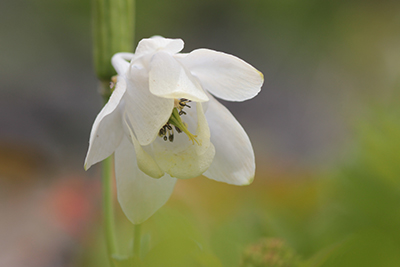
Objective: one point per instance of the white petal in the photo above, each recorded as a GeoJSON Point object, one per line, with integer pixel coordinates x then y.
{"type": "Point", "coordinates": [168, 78]}
{"type": "Point", "coordinates": [140, 195]}
{"type": "Point", "coordinates": [183, 159]}
{"type": "Point", "coordinates": [203, 131]}
{"type": "Point", "coordinates": [223, 75]}
{"type": "Point", "coordinates": [120, 62]}
{"type": "Point", "coordinates": [148, 113]}
{"type": "Point", "coordinates": [234, 156]}
{"type": "Point", "coordinates": [107, 128]}
{"type": "Point", "coordinates": [158, 43]}
{"type": "Point", "coordinates": [144, 161]}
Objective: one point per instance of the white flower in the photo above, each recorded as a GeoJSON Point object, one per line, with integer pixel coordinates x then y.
{"type": "Point", "coordinates": [162, 123]}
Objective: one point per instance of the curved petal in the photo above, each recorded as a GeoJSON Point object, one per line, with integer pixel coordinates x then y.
{"type": "Point", "coordinates": [169, 79]}
{"type": "Point", "coordinates": [223, 75]}
{"type": "Point", "coordinates": [234, 156]}
{"type": "Point", "coordinates": [182, 158]}
{"type": "Point", "coordinates": [148, 113]}
{"type": "Point", "coordinates": [144, 161]}
{"type": "Point", "coordinates": [139, 195]}
{"type": "Point", "coordinates": [120, 62]}
{"type": "Point", "coordinates": [158, 43]}
{"type": "Point", "coordinates": [107, 128]}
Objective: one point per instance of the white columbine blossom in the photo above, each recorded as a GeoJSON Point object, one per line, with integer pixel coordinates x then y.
{"type": "Point", "coordinates": [162, 122]}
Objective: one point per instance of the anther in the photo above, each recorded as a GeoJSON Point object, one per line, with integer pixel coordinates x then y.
{"type": "Point", "coordinates": [167, 131]}
{"type": "Point", "coordinates": [183, 103]}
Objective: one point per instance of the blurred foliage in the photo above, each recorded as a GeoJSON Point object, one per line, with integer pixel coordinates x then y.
{"type": "Point", "coordinates": [362, 207]}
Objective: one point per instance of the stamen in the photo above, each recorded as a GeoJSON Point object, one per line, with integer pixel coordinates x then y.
{"type": "Point", "coordinates": [162, 132]}
{"type": "Point", "coordinates": [180, 104]}
{"type": "Point", "coordinates": [167, 132]}
{"type": "Point", "coordinates": [177, 122]}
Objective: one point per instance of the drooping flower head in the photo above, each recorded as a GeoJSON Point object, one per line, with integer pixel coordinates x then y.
{"type": "Point", "coordinates": [163, 123]}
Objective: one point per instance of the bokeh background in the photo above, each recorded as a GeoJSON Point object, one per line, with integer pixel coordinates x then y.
{"type": "Point", "coordinates": [325, 129]}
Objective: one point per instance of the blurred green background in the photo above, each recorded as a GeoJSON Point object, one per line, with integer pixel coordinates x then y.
{"type": "Point", "coordinates": [325, 129]}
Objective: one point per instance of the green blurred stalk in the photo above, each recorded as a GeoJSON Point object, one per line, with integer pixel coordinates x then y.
{"type": "Point", "coordinates": [113, 31]}
{"type": "Point", "coordinates": [137, 234]}
{"type": "Point", "coordinates": [108, 210]}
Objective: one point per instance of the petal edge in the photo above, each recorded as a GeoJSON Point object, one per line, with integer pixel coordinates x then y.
{"type": "Point", "coordinates": [225, 76]}
{"type": "Point", "coordinates": [139, 195]}
{"type": "Point", "coordinates": [234, 161]}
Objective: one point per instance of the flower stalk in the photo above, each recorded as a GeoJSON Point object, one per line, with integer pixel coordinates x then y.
{"type": "Point", "coordinates": [137, 237]}
{"type": "Point", "coordinates": [108, 209]}
{"type": "Point", "coordinates": [113, 31]}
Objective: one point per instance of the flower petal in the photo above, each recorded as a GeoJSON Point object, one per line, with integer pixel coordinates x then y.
{"type": "Point", "coordinates": [183, 159]}
{"type": "Point", "coordinates": [144, 161]}
{"type": "Point", "coordinates": [234, 156]}
{"type": "Point", "coordinates": [120, 62]}
{"type": "Point", "coordinates": [148, 113]}
{"type": "Point", "coordinates": [107, 130]}
{"type": "Point", "coordinates": [158, 43]}
{"type": "Point", "coordinates": [223, 75]}
{"type": "Point", "coordinates": [169, 79]}
{"type": "Point", "coordinates": [140, 195]}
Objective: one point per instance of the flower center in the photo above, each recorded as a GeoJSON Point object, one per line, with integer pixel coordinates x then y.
{"type": "Point", "coordinates": [176, 121]}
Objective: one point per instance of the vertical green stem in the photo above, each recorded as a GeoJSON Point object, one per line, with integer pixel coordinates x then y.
{"type": "Point", "coordinates": [113, 32]}
{"type": "Point", "coordinates": [108, 209]}
{"type": "Point", "coordinates": [137, 237]}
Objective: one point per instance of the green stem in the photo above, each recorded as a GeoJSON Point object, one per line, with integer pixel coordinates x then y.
{"type": "Point", "coordinates": [137, 234]}
{"type": "Point", "coordinates": [108, 209]}
{"type": "Point", "coordinates": [113, 32]}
